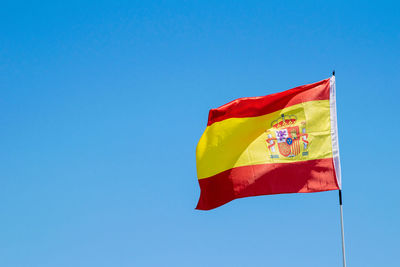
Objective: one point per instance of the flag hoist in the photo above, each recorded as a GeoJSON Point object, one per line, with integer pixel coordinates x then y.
{"type": "Point", "coordinates": [280, 143]}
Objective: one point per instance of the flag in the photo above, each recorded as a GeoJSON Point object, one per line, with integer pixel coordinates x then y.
{"type": "Point", "coordinates": [280, 143]}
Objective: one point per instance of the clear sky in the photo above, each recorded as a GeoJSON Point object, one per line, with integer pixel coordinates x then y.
{"type": "Point", "coordinates": [102, 104]}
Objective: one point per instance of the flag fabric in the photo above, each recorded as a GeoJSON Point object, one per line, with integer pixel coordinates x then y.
{"type": "Point", "coordinates": [281, 143]}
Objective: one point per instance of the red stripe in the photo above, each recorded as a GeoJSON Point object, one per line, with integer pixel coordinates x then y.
{"type": "Point", "coordinates": [267, 179]}
{"type": "Point", "coordinates": [261, 105]}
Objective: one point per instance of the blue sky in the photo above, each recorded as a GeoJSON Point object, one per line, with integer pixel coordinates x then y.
{"type": "Point", "coordinates": [102, 104]}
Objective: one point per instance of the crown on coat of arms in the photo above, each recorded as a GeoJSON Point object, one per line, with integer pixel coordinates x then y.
{"type": "Point", "coordinates": [284, 121]}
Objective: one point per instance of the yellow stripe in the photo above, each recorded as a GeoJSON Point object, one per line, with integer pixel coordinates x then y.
{"type": "Point", "coordinates": [242, 141]}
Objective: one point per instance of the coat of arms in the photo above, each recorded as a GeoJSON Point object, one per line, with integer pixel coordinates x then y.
{"type": "Point", "coordinates": [288, 135]}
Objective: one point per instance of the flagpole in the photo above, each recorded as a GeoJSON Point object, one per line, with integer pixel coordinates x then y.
{"type": "Point", "coordinates": [341, 224]}
{"type": "Point", "coordinates": [341, 215]}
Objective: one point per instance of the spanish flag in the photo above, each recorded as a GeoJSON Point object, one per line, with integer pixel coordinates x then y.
{"type": "Point", "coordinates": [281, 143]}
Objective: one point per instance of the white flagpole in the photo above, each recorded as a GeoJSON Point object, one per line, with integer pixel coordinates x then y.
{"type": "Point", "coordinates": [341, 224]}
{"type": "Point", "coordinates": [341, 209]}
{"type": "Point", "coordinates": [340, 199]}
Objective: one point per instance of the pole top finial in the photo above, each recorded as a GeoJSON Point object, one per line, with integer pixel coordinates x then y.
{"type": "Point", "coordinates": [333, 72]}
